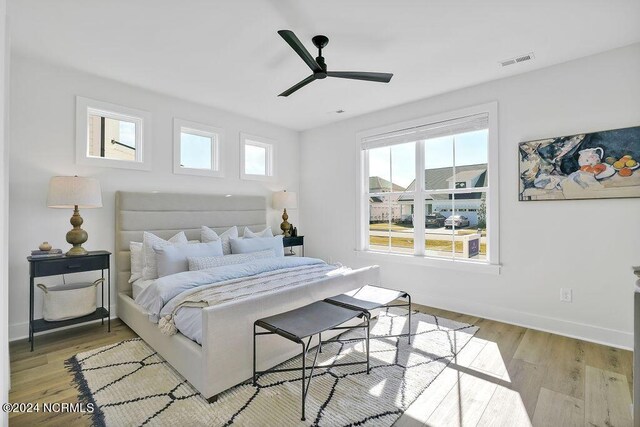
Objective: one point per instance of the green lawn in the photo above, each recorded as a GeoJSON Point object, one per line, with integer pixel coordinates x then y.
{"type": "Point", "coordinates": [433, 245]}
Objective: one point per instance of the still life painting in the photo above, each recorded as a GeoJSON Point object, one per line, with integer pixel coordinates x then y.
{"type": "Point", "coordinates": [593, 165]}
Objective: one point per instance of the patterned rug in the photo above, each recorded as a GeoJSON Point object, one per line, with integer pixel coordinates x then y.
{"type": "Point", "coordinates": [132, 385]}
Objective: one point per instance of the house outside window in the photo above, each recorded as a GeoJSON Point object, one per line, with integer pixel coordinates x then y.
{"type": "Point", "coordinates": [442, 169]}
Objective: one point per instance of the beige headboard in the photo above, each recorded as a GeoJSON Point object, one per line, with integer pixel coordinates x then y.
{"type": "Point", "coordinates": [165, 214]}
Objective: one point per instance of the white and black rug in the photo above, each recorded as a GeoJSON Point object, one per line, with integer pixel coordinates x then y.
{"type": "Point", "coordinates": [132, 385]}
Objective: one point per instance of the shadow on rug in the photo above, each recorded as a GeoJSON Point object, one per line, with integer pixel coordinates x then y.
{"type": "Point", "coordinates": [132, 385]}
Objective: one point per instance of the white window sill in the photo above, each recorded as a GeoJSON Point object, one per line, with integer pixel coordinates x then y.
{"type": "Point", "coordinates": [459, 265]}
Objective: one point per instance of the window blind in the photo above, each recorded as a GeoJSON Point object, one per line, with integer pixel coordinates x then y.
{"type": "Point", "coordinates": [428, 131]}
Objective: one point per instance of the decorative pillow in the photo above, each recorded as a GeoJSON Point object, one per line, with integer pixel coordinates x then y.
{"type": "Point", "coordinates": [208, 235]}
{"type": "Point", "coordinates": [172, 259]}
{"type": "Point", "coordinates": [149, 241]}
{"type": "Point", "coordinates": [264, 233]}
{"type": "Point", "coordinates": [136, 261]}
{"type": "Point", "coordinates": [247, 246]}
{"type": "Point", "coordinates": [200, 263]}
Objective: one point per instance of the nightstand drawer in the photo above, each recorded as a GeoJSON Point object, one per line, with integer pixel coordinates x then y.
{"type": "Point", "coordinates": [68, 265]}
{"type": "Point", "coordinates": [292, 241]}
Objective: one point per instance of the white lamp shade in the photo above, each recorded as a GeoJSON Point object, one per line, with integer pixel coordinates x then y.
{"type": "Point", "coordinates": [285, 199]}
{"type": "Point", "coordinates": [69, 191]}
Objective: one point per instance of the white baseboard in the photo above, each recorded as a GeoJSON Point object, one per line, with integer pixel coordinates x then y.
{"type": "Point", "coordinates": [20, 331]}
{"type": "Point", "coordinates": [582, 331]}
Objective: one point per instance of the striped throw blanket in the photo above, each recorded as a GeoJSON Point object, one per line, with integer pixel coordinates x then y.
{"type": "Point", "coordinates": [245, 287]}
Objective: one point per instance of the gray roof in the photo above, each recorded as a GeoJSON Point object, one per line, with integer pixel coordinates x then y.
{"type": "Point", "coordinates": [381, 185]}
{"type": "Point", "coordinates": [439, 178]}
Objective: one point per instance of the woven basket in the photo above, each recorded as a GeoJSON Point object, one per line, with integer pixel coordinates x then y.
{"type": "Point", "coordinates": [69, 301]}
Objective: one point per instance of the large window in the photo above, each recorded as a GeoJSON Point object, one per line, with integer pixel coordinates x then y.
{"type": "Point", "coordinates": [426, 188]}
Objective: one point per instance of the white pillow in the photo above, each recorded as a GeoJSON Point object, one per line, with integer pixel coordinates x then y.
{"type": "Point", "coordinates": [264, 233]}
{"type": "Point", "coordinates": [247, 246]}
{"type": "Point", "coordinates": [136, 261]}
{"type": "Point", "coordinates": [149, 241]}
{"type": "Point", "coordinates": [208, 235]}
{"type": "Point", "coordinates": [172, 259]}
{"type": "Point", "coordinates": [200, 263]}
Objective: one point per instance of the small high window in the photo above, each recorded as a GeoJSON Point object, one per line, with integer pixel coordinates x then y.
{"type": "Point", "coordinates": [196, 149]}
{"type": "Point", "coordinates": [110, 135]}
{"type": "Point", "coordinates": [256, 157]}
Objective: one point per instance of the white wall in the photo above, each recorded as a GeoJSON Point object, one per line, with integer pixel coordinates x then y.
{"type": "Point", "coordinates": [43, 145]}
{"type": "Point", "coordinates": [586, 245]}
{"type": "Point", "coordinates": [4, 213]}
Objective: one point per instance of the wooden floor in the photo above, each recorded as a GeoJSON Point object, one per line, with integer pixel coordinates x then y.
{"type": "Point", "coordinates": [505, 376]}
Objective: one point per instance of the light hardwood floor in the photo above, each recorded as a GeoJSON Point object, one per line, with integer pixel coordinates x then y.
{"type": "Point", "coordinates": [506, 376]}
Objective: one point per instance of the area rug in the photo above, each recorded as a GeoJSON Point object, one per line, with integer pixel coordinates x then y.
{"type": "Point", "coordinates": [131, 385]}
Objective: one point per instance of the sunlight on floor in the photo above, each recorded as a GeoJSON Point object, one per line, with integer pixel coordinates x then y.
{"type": "Point", "coordinates": [475, 389]}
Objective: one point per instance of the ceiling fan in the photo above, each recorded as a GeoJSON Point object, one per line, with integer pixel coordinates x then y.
{"type": "Point", "coordinates": [319, 67]}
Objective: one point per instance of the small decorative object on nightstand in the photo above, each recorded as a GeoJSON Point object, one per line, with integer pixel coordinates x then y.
{"type": "Point", "coordinates": [63, 264]}
{"type": "Point", "coordinates": [283, 200]}
{"type": "Point", "coordinates": [290, 242]}
{"type": "Point", "coordinates": [75, 192]}
{"type": "Point", "coordinates": [45, 246]}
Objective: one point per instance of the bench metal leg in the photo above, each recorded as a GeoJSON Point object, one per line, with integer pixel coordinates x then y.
{"type": "Point", "coordinates": [254, 354]}
{"type": "Point", "coordinates": [304, 371]}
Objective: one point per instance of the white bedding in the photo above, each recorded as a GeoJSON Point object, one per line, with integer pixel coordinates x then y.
{"type": "Point", "coordinates": [158, 297]}
{"type": "Point", "coordinates": [140, 285]}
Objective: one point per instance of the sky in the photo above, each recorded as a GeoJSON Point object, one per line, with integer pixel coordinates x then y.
{"type": "Point", "coordinates": [127, 133]}
{"type": "Point", "coordinates": [397, 163]}
{"type": "Point", "coordinates": [195, 151]}
{"type": "Point", "coordinates": [254, 160]}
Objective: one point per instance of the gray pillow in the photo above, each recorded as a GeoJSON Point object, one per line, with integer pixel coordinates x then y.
{"type": "Point", "coordinates": [200, 263]}
{"type": "Point", "coordinates": [172, 259]}
{"type": "Point", "coordinates": [247, 246]}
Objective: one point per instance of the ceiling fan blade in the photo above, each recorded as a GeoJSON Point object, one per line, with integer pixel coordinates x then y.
{"type": "Point", "coordinates": [298, 85]}
{"type": "Point", "coordinates": [297, 45]}
{"type": "Point", "coordinates": [361, 75]}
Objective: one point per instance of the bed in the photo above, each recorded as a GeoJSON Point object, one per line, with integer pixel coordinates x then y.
{"type": "Point", "coordinates": [224, 357]}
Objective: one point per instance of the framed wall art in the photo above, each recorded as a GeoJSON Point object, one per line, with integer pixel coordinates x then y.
{"type": "Point", "coordinates": [595, 165]}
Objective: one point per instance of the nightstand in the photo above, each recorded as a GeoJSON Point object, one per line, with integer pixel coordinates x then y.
{"type": "Point", "coordinates": [290, 242]}
{"type": "Point", "coordinates": [42, 267]}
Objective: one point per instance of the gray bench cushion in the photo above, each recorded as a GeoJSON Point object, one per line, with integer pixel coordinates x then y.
{"type": "Point", "coordinates": [367, 298]}
{"type": "Point", "coordinates": [307, 320]}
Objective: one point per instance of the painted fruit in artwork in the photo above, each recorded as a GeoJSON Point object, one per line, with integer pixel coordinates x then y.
{"type": "Point", "coordinates": [625, 172]}
{"type": "Point", "coordinates": [619, 164]}
{"type": "Point", "coordinates": [599, 168]}
{"type": "Point", "coordinates": [630, 163]}
{"type": "Point", "coordinates": [610, 160]}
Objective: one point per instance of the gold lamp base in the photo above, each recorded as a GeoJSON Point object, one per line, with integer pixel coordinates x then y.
{"type": "Point", "coordinates": [285, 226]}
{"type": "Point", "coordinates": [77, 236]}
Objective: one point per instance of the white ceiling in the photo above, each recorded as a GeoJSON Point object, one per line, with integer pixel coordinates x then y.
{"type": "Point", "coordinates": [227, 54]}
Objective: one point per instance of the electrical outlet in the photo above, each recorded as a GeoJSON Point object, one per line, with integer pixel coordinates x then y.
{"type": "Point", "coordinates": [566, 294]}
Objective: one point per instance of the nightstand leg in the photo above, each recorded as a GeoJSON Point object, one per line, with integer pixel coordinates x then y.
{"type": "Point", "coordinates": [109, 298]}
{"type": "Point", "coordinates": [102, 293]}
{"type": "Point", "coordinates": [31, 311]}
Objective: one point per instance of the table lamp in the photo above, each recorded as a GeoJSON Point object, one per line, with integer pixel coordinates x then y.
{"type": "Point", "coordinates": [75, 192]}
{"type": "Point", "coordinates": [283, 200]}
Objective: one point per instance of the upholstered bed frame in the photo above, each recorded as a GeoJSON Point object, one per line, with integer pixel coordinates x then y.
{"type": "Point", "coordinates": [225, 357]}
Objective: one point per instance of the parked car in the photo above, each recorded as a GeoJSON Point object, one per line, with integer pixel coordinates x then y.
{"type": "Point", "coordinates": [434, 220]}
{"type": "Point", "coordinates": [458, 221]}
{"type": "Point", "coordinates": [406, 219]}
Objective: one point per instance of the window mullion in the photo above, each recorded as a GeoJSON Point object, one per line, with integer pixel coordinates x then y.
{"type": "Point", "coordinates": [418, 202]}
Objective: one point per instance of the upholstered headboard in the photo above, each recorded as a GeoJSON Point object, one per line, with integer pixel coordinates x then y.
{"type": "Point", "coordinates": [166, 214]}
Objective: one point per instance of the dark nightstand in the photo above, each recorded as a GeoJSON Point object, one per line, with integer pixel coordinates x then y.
{"type": "Point", "coordinates": [41, 267]}
{"type": "Point", "coordinates": [290, 242]}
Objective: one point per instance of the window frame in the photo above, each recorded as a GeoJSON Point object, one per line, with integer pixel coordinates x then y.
{"type": "Point", "coordinates": [492, 262]}
{"type": "Point", "coordinates": [270, 154]}
{"type": "Point", "coordinates": [142, 120]}
{"type": "Point", "coordinates": [199, 129]}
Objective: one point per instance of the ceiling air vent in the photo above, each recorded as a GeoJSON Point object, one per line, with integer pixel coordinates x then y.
{"type": "Point", "coordinates": [522, 58]}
